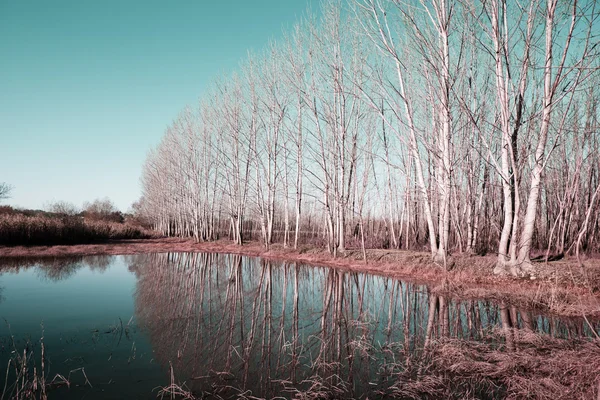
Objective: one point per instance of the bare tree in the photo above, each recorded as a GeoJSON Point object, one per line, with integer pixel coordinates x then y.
{"type": "Point", "coordinates": [295, 72]}
{"type": "Point", "coordinates": [377, 27]}
{"type": "Point", "coordinates": [5, 190]}
{"type": "Point", "coordinates": [63, 207]}
{"type": "Point", "coordinates": [234, 129]}
{"type": "Point", "coordinates": [269, 102]}
{"type": "Point", "coordinates": [102, 209]}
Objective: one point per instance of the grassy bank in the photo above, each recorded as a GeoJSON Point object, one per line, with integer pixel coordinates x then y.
{"type": "Point", "coordinates": [42, 230]}
{"type": "Point", "coordinates": [514, 364]}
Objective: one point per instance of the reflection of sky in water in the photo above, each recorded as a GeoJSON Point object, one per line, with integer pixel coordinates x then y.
{"type": "Point", "coordinates": [81, 307]}
{"type": "Point", "coordinates": [208, 314]}
{"type": "Point", "coordinates": [86, 299]}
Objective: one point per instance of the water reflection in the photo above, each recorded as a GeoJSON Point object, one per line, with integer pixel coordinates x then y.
{"type": "Point", "coordinates": [230, 324]}
{"type": "Point", "coordinates": [56, 268]}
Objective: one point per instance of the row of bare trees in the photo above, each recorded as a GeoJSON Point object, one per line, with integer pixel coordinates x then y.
{"type": "Point", "coordinates": [458, 125]}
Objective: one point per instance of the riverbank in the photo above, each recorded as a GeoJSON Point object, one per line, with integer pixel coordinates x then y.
{"type": "Point", "coordinates": [561, 287]}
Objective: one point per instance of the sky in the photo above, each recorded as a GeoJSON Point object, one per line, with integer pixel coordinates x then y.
{"type": "Point", "coordinates": [87, 87]}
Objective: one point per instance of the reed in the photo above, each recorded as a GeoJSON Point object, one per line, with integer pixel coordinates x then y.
{"type": "Point", "coordinates": [24, 230]}
{"type": "Point", "coordinates": [26, 376]}
{"type": "Point", "coordinates": [534, 366]}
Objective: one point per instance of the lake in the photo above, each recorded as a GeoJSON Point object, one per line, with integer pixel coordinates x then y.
{"type": "Point", "coordinates": [228, 326]}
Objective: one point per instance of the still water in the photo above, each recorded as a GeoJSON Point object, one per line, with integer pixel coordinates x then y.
{"type": "Point", "coordinates": [225, 325]}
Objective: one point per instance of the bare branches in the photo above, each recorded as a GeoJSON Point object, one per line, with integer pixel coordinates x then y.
{"type": "Point", "coordinates": [407, 124]}
{"type": "Point", "coordinates": [5, 190]}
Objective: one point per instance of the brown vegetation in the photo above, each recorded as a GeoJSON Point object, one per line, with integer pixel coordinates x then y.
{"type": "Point", "coordinates": [35, 230]}
{"type": "Point", "coordinates": [27, 377]}
{"type": "Point", "coordinates": [541, 367]}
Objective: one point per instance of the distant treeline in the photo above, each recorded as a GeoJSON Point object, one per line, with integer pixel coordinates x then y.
{"type": "Point", "coordinates": [114, 216]}
{"type": "Point", "coordinates": [37, 227]}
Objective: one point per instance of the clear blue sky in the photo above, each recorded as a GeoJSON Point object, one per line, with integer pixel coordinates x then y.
{"type": "Point", "coordinates": [88, 87]}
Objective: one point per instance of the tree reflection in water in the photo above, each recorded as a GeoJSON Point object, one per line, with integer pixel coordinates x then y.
{"type": "Point", "coordinates": [232, 324]}
{"type": "Point", "coordinates": [56, 268]}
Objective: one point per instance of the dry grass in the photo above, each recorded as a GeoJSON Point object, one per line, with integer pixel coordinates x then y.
{"type": "Point", "coordinates": [38, 230]}
{"type": "Point", "coordinates": [540, 367]}
{"type": "Point", "coordinates": [528, 366]}
{"type": "Point", "coordinates": [26, 376]}
{"type": "Point", "coordinates": [174, 390]}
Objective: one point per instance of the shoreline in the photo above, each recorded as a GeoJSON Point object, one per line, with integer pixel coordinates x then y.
{"type": "Point", "coordinates": [561, 287]}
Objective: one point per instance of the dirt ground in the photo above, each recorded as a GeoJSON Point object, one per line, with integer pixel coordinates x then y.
{"type": "Point", "coordinates": [560, 287]}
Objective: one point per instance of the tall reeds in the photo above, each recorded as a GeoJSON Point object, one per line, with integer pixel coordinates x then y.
{"type": "Point", "coordinates": [26, 376]}
{"type": "Point", "coordinates": [24, 230]}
